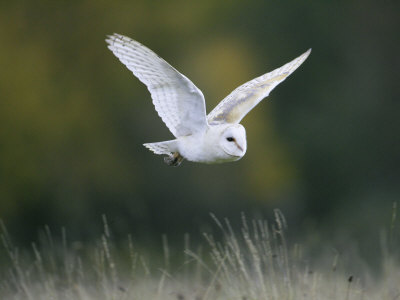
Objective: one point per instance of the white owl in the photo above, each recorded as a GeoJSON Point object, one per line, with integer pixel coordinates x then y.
{"type": "Point", "coordinates": [214, 138]}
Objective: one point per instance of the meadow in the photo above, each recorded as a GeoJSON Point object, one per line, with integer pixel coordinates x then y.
{"type": "Point", "coordinates": [255, 261]}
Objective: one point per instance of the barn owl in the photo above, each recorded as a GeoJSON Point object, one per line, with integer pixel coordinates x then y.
{"type": "Point", "coordinates": [214, 138]}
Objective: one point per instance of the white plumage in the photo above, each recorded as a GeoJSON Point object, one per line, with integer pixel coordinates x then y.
{"type": "Point", "coordinates": [179, 103]}
{"type": "Point", "coordinates": [215, 138]}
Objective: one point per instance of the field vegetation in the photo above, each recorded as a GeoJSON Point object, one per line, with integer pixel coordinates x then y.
{"type": "Point", "coordinates": [255, 261]}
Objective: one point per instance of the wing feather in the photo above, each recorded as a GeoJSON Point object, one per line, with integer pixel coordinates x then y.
{"type": "Point", "coordinates": [178, 102]}
{"type": "Point", "coordinates": [237, 104]}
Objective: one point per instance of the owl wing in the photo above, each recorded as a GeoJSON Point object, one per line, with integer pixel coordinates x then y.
{"type": "Point", "coordinates": [237, 104]}
{"type": "Point", "coordinates": [178, 102]}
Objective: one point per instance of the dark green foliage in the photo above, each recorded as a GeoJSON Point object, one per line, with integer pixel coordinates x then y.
{"type": "Point", "coordinates": [324, 148]}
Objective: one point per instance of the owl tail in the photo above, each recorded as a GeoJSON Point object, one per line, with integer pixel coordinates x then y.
{"type": "Point", "coordinates": [168, 148]}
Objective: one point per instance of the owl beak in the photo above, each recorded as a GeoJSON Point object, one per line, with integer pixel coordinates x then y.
{"type": "Point", "coordinates": [241, 149]}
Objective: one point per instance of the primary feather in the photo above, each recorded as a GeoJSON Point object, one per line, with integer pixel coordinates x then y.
{"type": "Point", "coordinates": [237, 104]}
{"type": "Point", "coordinates": [179, 103]}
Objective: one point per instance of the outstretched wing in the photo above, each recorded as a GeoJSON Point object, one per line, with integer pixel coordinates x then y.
{"type": "Point", "coordinates": [179, 103]}
{"type": "Point", "coordinates": [237, 104]}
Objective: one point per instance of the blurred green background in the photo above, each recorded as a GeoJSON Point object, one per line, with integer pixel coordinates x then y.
{"type": "Point", "coordinates": [324, 147]}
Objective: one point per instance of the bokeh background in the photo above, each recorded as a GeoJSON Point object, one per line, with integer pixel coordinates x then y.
{"type": "Point", "coordinates": [324, 147]}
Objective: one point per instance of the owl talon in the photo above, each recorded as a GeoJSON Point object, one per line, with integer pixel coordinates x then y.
{"type": "Point", "coordinates": [173, 160]}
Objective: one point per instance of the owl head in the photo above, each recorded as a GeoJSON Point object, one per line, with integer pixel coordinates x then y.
{"type": "Point", "coordinates": [233, 140]}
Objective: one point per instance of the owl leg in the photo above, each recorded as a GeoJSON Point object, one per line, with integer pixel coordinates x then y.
{"type": "Point", "coordinates": [174, 159]}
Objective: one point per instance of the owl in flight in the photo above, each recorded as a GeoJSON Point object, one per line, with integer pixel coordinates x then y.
{"type": "Point", "coordinates": [214, 138]}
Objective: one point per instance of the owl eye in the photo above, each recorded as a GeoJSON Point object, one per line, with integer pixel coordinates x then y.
{"type": "Point", "coordinates": [230, 139]}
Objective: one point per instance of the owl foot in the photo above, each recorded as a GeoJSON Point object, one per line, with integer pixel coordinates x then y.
{"type": "Point", "coordinates": [173, 160]}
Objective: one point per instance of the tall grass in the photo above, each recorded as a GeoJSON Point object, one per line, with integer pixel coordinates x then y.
{"type": "Point", "coordinates": [253, 262]}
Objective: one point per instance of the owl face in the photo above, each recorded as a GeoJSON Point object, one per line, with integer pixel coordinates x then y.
{"type": "Point", "coordinates": [233, 140]}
